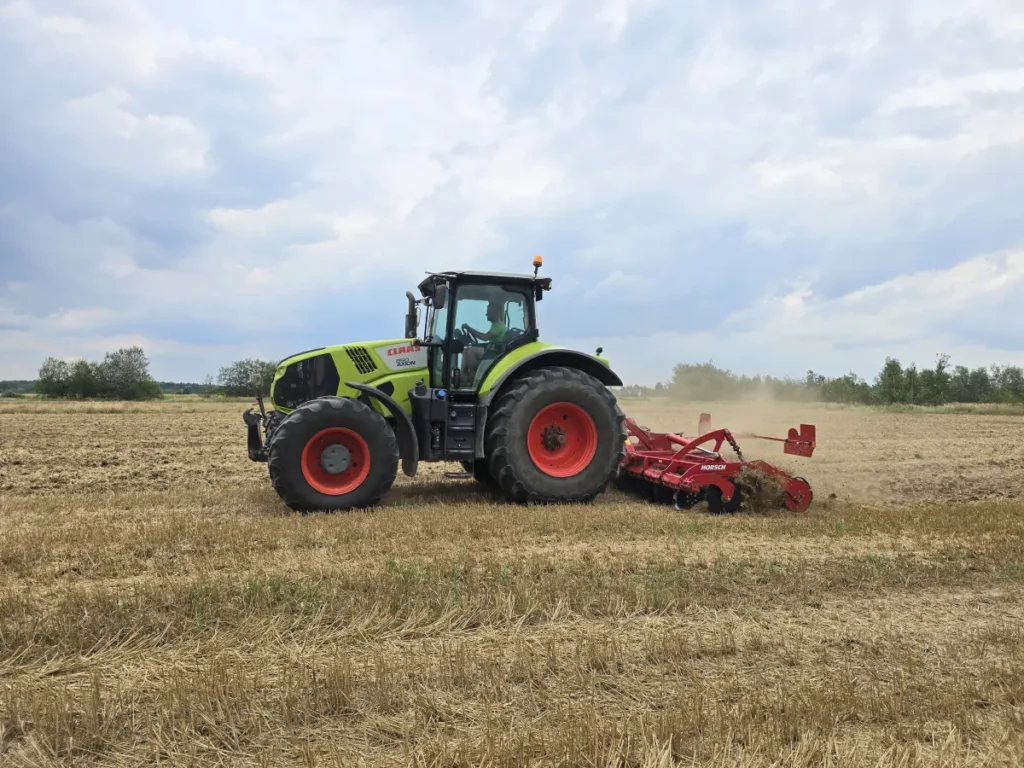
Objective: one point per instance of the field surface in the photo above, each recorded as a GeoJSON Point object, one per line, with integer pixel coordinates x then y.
{"type": "Point", "coordinates": [159, 606]}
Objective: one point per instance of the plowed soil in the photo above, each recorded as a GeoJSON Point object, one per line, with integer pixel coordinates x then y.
{"type": "Point", "coordinates": [158, 605]}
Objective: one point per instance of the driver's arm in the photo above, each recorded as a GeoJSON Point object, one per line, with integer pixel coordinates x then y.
{"type": "Point", "coordinates": [482, 335]}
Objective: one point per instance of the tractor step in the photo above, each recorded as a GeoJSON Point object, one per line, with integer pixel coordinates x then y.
{"type": "Point", "coordinates": [458, 475]}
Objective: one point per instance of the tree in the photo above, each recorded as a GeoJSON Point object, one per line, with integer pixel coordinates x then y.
{"type": "Point", "coordinates": [960, 386]}
{"type": "Point", "coordinates": [124, 375]}
{"type": "Point", "coordinates": [1008, 382]}
{"type": "Point", "coordinates": [246, 377]}
{"type": "Point", "coordinates": [54, 378]}
{"type": "Point", "coordinates": [935, 383]}
{"type": "Point", "coordinates": [890, 386]}
{"type": "Point", "coordinates": [85, 379]}
{"type": "Point", "coordinates": [705, 381]}
{"type": "Point", "coordinates": [847, 389]}
{"type": "Point", "coordinates": [21, 386]}
{"type": "Point", "coordinates": [912, 382]}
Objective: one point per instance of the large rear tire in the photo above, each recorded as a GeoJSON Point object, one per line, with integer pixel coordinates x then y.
{"type": "Point", "coordinates": [556, 435]}
{"type": "Point", "coordinates": [333, 453]}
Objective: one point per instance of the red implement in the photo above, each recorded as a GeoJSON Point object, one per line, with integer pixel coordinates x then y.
{"type": "Point", "coordinates": [659, 463]}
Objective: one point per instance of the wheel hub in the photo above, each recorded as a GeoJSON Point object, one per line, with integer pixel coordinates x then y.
{"type": "Point", "coordinates": [562, 439]}
{"type": "Point", "coordinates": [553, 438]}
{"type": "Point", "coordinates": [335, 459]}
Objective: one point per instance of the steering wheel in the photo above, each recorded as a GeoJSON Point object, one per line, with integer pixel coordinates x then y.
{"type": "Point", "coordinates": [466, 332]}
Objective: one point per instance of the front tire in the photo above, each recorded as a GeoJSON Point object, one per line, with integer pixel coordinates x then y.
{"type": "Point", "coordinates": [333, 453]}
{"type": "Point", "coordinates": [556, 436]}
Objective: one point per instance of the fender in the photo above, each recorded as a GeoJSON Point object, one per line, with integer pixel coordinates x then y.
{"type": "Point", "coordinates": [555, 356]}
{"type": "Point", "coordinates": [406, 434]}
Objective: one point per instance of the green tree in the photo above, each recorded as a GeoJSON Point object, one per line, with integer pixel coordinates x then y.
{"type": "Point", "coordinates": [935, 383]}
{"type": "Point", "coordinates": [246, 377]}
{"type": "Point", "coordinates": [85, 379]}
{"type": "Point", "coordinates": [912, 382]}
{"type": "Point", "coordinates": [54, 378]}
{"type": "Point", "coordinates": [847, 389]}
{"type": "Point", "coordinates": [18, 385]}
{"type": "Point", "coordinates": [124, 375]}
{"type": "Point", "coordinates": [1008, 383]}
{"type": "Point", "coordinates": [960, 386]}
{"type": "Point", "coordinates": [705, 381]}
{"type": "Point", "coordinates": [981, 385]}
{"type": "Point", "coordinates": [890, 386]}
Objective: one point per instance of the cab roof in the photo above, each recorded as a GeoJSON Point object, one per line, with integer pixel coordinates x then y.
{"type": "Point", "coordinates": [434, 279]}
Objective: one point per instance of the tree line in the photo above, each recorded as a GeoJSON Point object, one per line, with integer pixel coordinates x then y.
{"type": "Point", "coordinates": [124, 375]}
{"type": "Point", "coordinates": [893, 385]}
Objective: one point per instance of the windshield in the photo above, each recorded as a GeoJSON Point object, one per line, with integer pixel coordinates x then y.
{"type": "Point", "coordinates": [492, 309]}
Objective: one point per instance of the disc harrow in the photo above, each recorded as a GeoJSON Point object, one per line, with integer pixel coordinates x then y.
{"type": "Point", "coordinates": [664, 466]}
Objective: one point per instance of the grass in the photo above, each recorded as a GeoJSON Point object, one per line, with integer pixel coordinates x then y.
{"type": "Point", "coordinates": [159, 606]}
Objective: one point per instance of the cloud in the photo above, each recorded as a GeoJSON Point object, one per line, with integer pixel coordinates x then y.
{"type": "Point", "coordinates": [148, 149]}
{"type": "Point", "coordinates": [915, 317]}
{"type": "Point", "coordinates": [224, 184]}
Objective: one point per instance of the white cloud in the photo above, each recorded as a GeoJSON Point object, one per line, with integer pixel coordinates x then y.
{"type": "Point", "coordinates": [940, 91]}
{"type": "Point", "coordinates": [904, 309]}
{"type": "Point", "coordinates": [913, 317]}
{"type": "Point", "coordinates": [149, 148]}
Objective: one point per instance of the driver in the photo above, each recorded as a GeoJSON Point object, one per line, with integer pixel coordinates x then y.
{"type": "Point", "coordinates": [472, 356]}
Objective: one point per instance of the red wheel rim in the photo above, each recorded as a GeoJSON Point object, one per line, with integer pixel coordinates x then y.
{"type": "Point", "coordinates": [562, 440]}
{"type": "Point", "coordinates": [323, 481]}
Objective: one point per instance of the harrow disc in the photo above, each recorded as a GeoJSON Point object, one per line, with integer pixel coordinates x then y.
{"type": "Point", "coordinates": [717, 504]}
{"type": "Point", "coordinates": [640, 488]}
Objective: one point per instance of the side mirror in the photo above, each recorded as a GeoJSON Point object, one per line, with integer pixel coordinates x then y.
{"type": "Point", "coordinates": [440, 296]}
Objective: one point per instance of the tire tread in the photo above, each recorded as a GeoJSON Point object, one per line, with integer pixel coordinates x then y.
{"type": "Point", "coordinates": [512, 485]}
{"type": "Point", "coordinates": [286, 487]}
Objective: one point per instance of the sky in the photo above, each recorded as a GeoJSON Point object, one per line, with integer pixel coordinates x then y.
{"type": "Point", "coordinates": [771, 186]}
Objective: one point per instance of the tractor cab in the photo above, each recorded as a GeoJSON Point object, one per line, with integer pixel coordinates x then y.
{"type": "Point", "coordinates": [473, 320]}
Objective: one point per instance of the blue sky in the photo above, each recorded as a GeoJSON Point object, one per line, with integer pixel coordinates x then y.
{"type": "Point", "coordinates": [776, 186]}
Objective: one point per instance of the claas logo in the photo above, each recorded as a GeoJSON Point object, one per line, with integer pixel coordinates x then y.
{"type": "Point", "coordinates": [392, 351]}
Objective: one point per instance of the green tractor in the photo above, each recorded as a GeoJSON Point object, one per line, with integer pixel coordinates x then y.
{"type": "Point", "coordinates": [534, 421]}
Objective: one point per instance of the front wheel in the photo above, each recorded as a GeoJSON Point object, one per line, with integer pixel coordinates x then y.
{"type": "Point", "coordinates": [557, 435]}
{"type": "Point", "coordinates": [333, 453]}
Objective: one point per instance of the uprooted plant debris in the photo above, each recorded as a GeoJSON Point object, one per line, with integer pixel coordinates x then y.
{"type": "Point", "coordinates": [761, 492]}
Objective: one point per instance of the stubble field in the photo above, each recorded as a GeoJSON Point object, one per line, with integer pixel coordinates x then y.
{"type": "Point", "coordinates": [158, 605]}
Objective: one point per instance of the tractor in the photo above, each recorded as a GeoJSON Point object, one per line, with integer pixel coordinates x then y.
{"type": "Point", "coordinates": [478, 388]}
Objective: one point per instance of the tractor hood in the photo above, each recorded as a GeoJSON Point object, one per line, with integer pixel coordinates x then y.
{"type": "Point", "coordinates": [321, 372]}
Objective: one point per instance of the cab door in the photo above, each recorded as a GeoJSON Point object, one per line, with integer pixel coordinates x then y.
{"type": "Point", "coordinates": [472, 354]}
{"type": "Point", "coordinates": [437, 338]}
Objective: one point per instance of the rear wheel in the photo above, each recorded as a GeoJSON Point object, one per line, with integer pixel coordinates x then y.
{"type": "Point", "coordinates": [557, 435]}
{"type": "Point", "coordinates": [333, 453]}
